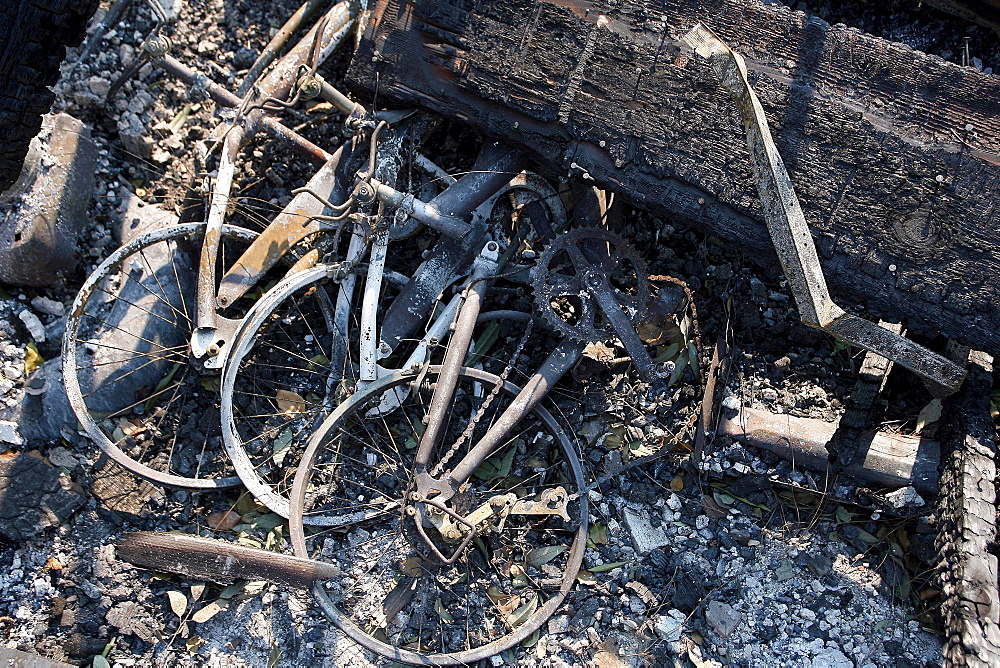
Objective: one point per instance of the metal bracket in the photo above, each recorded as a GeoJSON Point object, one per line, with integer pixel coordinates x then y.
{"type": "Point", "coordinates": [790, 233]}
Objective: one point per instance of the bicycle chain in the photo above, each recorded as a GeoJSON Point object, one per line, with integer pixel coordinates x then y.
{"type": "Point", "coordinates": [436, 471]}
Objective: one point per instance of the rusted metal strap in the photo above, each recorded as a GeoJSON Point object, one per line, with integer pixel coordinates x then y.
{"type": "Point", "coordinates": [790, 233]}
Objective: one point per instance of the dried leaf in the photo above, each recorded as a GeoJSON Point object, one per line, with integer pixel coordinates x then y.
{"type": "Point", "coordinates": [843, 515]}
{"type": "Point", "coordinates": [197, 591]}
{"type": "Point", "coordinates": [679, 365]}
{"type": "Point", "coordinates": [193, 644]}
{"type": "Point", "coordinates": [929, 414]}
{"type": "Point", "coordinates": [600, 352]}
{"type": "Point", "coordinates": [207, 612]}
{"type": "Point", "coordinates": [608, 567]}
{"type": "Point", "coordinates": [532, 640]}
{"type": "Point", "coordinates": [395, 601]}
{"type": "Point", "coordinates": [543, 555]}
{"type": "Point", "coordinates": [32, 360]}
{"type": "Point", "coordinates": [411, 567]}
{"type": "Point", "coordinates": [495, 595]}
{"type": "Point", "coordinates": [712, 508]}
{"type": "Point", "coordinates": [178, 121]}
{"type": "Point", "coordinates": [598, 534]}
{"type": "Point", "coordinates": [667, 353]}
{"type": "Point", "coordinates": [586, 578]}
{"type": "Point", "coordinates": [317, 361]}
{"type": "Point", "coordinates": [484, 343]}
{"type": "Point", "coordinates": [443, 612]}
{"type": "Point", "coordinates": [178, 602]}
{"type": "Point", "coordinates": [223, 520]}
{"type": "Point", "coordinates": [289, 403]}
{"type": "Point", "coordinates": [273, 657]}
{"type": "Point", "coordinates": [522, 614]}
{"type": "Point", "coordinates": [677, 484]}
{"type": "Point", "coordinates": [254, 587]}
{"type": "Point", "coordinates": [723, 499]}
{"type": "Point", "coordinates": [280, 446]}
{"type": "Point", "coordinates": [644, 593]}
{"type": "Point", "coordinates": [231, 591]}
{"type": "Point", "coordinates": [269, 521]}
{"type": "Point", "coordinates": [785, 571]}
{"type": "Point", "coordinates": [211, 384]}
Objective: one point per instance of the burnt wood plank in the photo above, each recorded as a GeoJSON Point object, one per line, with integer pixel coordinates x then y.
{"type": "Point", "coordinates": [966, 516]}
{"type": "Point", "coordinates": [895, 154]}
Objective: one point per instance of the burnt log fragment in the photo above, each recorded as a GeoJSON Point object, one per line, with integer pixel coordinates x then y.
{"type": "Point", "coordinates": [894, 154]}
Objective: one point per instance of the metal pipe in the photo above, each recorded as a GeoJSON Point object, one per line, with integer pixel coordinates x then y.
{"type": "Point", "coordinates": [426, 212]}
{"type": "Point", "coordinates": [555, 367]}
{"type": "Point", "coordinates": [304, 13]}
{"type": "Point", "coordinates": [223, 97]}
{"type": "Point", "coordinates": [343, 103]}
{"type": "Point", "coordinates": [206, 313]}
{"type": "Point", "coordinates": [458, 348]}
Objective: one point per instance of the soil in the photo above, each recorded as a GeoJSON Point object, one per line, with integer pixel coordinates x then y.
{"type": "Point", "coordinates": [743, 560]}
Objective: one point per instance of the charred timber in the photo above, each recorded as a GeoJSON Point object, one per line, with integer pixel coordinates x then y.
{"type": "Point", "coordinates": [895, 154]}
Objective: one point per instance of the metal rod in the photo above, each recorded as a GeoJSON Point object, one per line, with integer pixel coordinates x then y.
{"type": "Point", "coordinates": [458, 349]}
{"type": "Point", "coordinates": [303, 14]}
{"type": "Point", "coordinates": [555, 367]}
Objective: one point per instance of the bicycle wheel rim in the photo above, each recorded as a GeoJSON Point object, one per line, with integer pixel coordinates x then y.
{"type": "Point", "coordinates": [322, 379]}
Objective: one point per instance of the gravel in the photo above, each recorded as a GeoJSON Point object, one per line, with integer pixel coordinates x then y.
{"type": "Point", "coordinates": [743, 561]}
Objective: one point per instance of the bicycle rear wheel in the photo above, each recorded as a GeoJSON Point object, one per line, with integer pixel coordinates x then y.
{"type": "Point", "coordinates": [398, 598]}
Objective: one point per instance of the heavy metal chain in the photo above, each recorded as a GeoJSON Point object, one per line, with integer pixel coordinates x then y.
{"type": "Point", "coordinates": [486, 404]}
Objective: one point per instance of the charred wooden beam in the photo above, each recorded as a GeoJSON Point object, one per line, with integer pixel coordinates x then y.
{"type": "Point", "coordinates": [967, 524]}
{"type": "Point", "coordinates": [883, 459]}
{"type": "Point", "coordinates": [895, 154]}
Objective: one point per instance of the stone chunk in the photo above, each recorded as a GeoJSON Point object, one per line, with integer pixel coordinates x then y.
{"type": "Point", "coordinates": [645, 537]}
{"type": "Point", "coordinates": [670, 626]}
{"type": "Point", "coordinates": [33, 497]}
{"type": "Point", "coordinates": [831, 658]}
{"type": "Point", "coordinates": [723, 618]}
{"type": "Point", "coordinates": [48, 306]}
{"type": "Point", "coordinates": [41, 214]}
{"type": "Point", "coordinates": [126, 618]}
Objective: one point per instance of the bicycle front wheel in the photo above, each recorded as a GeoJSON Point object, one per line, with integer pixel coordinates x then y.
{"type": "Point", "coordinates": [126, 362]}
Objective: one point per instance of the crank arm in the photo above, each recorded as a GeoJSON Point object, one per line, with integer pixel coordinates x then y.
{"type": "Point", "coordinates": [601, 289]}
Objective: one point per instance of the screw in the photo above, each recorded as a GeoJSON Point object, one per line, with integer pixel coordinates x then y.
{"type": "Point", "coordinates": [384, 349]}
{"type": "Point", "coordinates": [411, 511]}
{"type": "Point", "coordinates": [309, 87]}
{"type": "Point", "coordinates": [212, 350]}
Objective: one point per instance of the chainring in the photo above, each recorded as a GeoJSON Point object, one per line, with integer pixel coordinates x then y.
{"type": "Point", "coordinates": [561, 294]}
